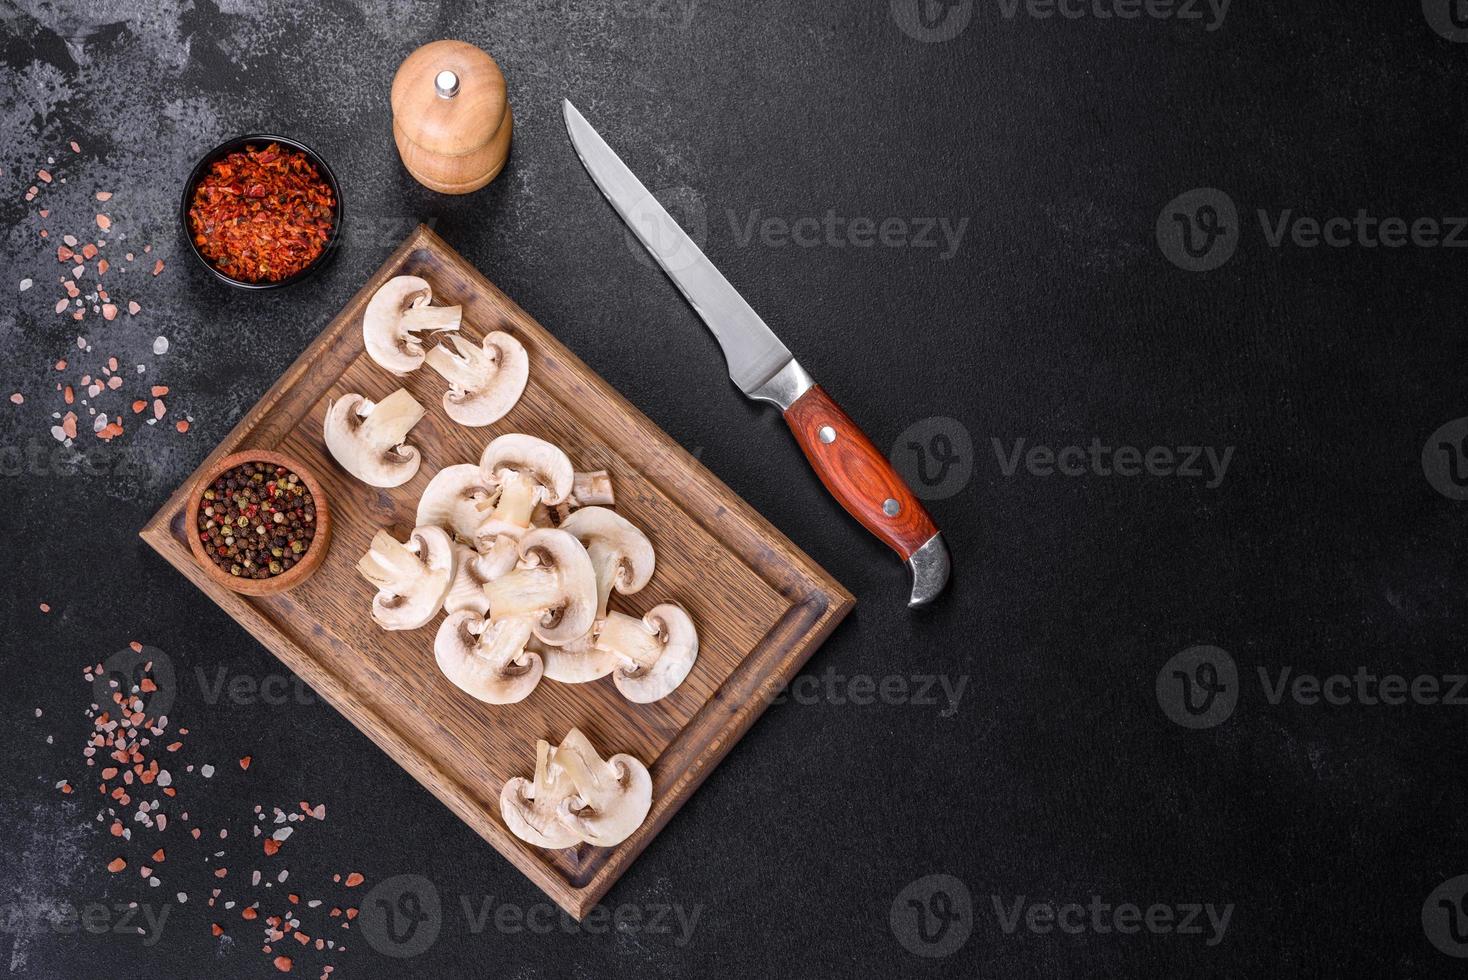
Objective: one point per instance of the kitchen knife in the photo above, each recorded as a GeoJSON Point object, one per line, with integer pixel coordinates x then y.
{"type": "Point", "coordinates": [853, 470]}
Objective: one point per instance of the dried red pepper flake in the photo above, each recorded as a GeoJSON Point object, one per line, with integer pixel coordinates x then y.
{"type": "Point", "coordinates": [262, 215]}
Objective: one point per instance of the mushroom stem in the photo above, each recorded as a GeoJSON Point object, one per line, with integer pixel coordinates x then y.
{"type": "Point", "coordinates": [466, 369]}
{"type": "Point", "coordinates": [519, 494]}
{"type": "Point", "coordinates": [605, 562]}
{"type": "Point", "coordinates": [503, 642]}
{"type": "Point", "coordinates": [593, 488]}
{"type": "Point", "coordinates": [389, 421]}
{"type": "Point", "coordinates": [633, 639]}
{"type": "Point", "coordinates": [421, 319]}
{"type": "Point", "coordinates": [523, 592]}
{"type": "Point", "coordinates": [390, 565]}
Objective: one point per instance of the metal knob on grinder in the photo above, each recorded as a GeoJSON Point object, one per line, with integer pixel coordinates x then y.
{"type": "Point", "coordinates": [451, 117]}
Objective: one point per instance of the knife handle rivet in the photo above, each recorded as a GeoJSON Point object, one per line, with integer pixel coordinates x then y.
{"type": "Point", "coordinates": [891, 507]}
{"type": "Point", "coordinates": [826, 434]}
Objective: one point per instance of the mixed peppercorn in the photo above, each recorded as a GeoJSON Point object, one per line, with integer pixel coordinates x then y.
{"type": "Point", "coordinates": [262, 215]}
{"type": "Point", "coordinates": [257, 520]}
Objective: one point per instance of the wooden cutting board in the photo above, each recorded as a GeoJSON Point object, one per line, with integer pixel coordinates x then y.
{"type": "Point", "coordinates": [761, 605]}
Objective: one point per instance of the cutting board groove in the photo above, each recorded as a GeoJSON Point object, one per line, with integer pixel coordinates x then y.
{"type": "Point", "coordinates": [762, 606]}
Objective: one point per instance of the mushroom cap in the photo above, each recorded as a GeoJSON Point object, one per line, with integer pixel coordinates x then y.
{"type": "Point", "coordinates": [388, 343]}
{"type": "Point", "coordinates": [575, 612]}
{"type": "Point", "coordinates": [578, 662]}
{"type": "Point", "coordinates": [502, 372]}
{"type": "Point", "coordinates": [418, 598]}
{"type": "Point", "coordinates": [376, 455]}
{"type": "Point", "coordinates": [678, 637]}
{"type": "Point", "coordinates": [545, 464]}
{"type": "Point", "coordinates": [451, 501]}
{"type": "Point", "coordinates": [462, 651]}
{"type": "Point", "coordinates": [610, 537]}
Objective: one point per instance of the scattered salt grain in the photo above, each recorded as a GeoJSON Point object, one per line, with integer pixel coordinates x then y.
{"type": "Point", "coordinates": [206, 770]}
{"type": "Point", "coordinates": [160, 345]}
{"type": "Point", "coordinates": [25, 284]}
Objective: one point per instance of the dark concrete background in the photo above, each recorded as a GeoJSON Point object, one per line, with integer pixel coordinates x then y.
{"type": "Point", "coordinates": [1056, 775]}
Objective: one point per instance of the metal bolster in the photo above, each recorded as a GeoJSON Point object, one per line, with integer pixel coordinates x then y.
{"type": "Point", "coordinates": [785, 386]}
{"type": "Point", "coordinates": [930, 567]}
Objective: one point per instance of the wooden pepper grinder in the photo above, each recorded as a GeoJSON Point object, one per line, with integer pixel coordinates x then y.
{"type": "Point", "coordinates": [450, 117]}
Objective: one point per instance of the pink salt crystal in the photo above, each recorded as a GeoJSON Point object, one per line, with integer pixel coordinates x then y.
{"type": "Point", "coordinates": [17, 398]}
{"type": "Point", "coordinates": [61, 305]}
{"type": "Point", "coordinates": [109, 311]}
{"type": "Point", "coordinates": [158, 408]}
{"type": "Point", "coordinates": [133, 307]}
{"type": "Point", "coordinates": [104, 195]}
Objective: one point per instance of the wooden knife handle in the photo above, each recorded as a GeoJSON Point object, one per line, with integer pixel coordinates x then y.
{"type": "Point", "coordinates": [858, 476]}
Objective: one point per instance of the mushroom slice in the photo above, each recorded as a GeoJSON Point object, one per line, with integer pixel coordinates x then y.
{"type": "Point", "coordinates": [612, 798]}
{"type": "Point", "coordinates": [487, 659]}
{"type": "Point", "coordinates": [552, 587]}
{"type": "Point", "coordinates": [412, 579]}
{"type": "Point", "coordinates": [366, 438]}
{"type": "Point", "coordinates": [529, 807]}
{"type": "Point", "coordinates": [466, 594]}
{"type": "Point", "coordinates": [452, 498]}
{"type": "Point", "coordinates": [527, 471]}
{"type": "Point", "coordinates": [485, 381]}
{"type": "Point", "coordinates": [576, 796]}
{"type": "Point", "coordinates": [620, 554]}
{"type": "Point", "coordinates": [394, 317]}
{"type": "Point", "coordinates": [657, 651]}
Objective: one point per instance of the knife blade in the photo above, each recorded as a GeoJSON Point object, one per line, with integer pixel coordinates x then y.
{"type": "Point", "coordinates": [762, 367]}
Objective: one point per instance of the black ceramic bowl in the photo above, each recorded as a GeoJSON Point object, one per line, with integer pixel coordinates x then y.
{"type": "Point", "coordinates": [262, 140]}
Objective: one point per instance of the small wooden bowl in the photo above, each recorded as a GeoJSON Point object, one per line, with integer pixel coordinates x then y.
{"type": "Point", "coordinates": [292, 576]}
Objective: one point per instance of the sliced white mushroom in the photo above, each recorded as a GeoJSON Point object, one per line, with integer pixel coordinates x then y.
{"type": "Point", "coordinates": [485, 381]}
{"type": "Point", "coordinates": [412, 579]}
{"type": "Point", "coordinates": [576, 796]}
{"type": "Point", "coordinates": [552, 587]}
{"type": "Point", "coordinates": [527, 471]}
{"type": "Point", "coordinates": [451, 501]}
{"type": "Point", "coordinates": [620, 554]}
{"type": "Point", "coordinates": [368, 439]}
{"type": "Point", "coordinates": [612, 798]}
{"type": "Point", "coordinates": [656, 651]}
{"type": "Point", "coordinates": [395, 315]}
{"type": "Point", "coordinates": [529, 807]}
{"type": "Point", "coordinates": [622, 558]}
{"type": "Point", "coordinates": [487, 659]}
